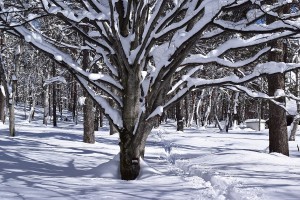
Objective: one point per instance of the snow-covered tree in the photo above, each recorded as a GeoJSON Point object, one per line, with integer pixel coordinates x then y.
{"type": "Point", "coordinates": [144, 52]}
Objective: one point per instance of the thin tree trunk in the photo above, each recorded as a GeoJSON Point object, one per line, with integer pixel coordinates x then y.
{"type": "Point", "coordinates": [179, 116]}
{"type": "Point", "coordinates": [74, 107]}
{"type": "Point", "coordinates": [54, 116]}
{"type": "Point", "coordinates": [11, 107]}
{"type": "Point", "coordinates": [46, 102]}
{"type": "Point", "coordinates": [97, 118]}
{"type": "Point", "coordinates": [32, 109]}
{"type": "Point", "coordinates": [198, 109]}
{"type": "Point", "coordinates": [192, 113]}
{"type": "Point", "coordinates": [101, 119]}
{"type": "Point", "coordinates": [296, 118]}
{"type": "Point", "coordinates": [235, 108]}
{"type": "Point", "coordinates": [60, 101]}
{"type": "Point", "coordinates": [187, 110]}
{"type": "Point", "coordinates": [207, 113]}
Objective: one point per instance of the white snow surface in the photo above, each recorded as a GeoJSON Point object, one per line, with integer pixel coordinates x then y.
{"type": "Point", "coordinates": [43, 162]}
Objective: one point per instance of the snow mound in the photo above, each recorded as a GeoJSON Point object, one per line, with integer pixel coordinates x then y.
{"type": "Point", "coordinates": [146, 170]}
{"type": "Point", "coordinates": [111, 169]}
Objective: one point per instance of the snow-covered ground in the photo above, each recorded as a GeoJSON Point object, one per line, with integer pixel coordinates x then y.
{"type": "Point", "coordinates": [52, 163]}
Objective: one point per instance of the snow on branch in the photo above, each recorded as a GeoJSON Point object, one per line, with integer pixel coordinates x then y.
{"type": "Point", "coordinates": [251, 25]}
{"type": "Point", "coordinates": [72, 15]}
{"type": "Point", "coordinates": [60, 56]}
{"type": "Point", "coordinates": [259, 70]}
{"type": "Point", "coordinates": [55, 79]}
{"type": "Point", "coordinates": [109, 111]}
{"type": "Point", "coordinates": [201, 59]}
{"type": "Point", "coordinates": [238, 42]}
{"type": "Point", "coordinates": [185, 77]}
{"type": "Point", "coordinates": [260, 95]}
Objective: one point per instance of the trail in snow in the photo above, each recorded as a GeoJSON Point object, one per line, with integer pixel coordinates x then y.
{"type": "Point", "coordinates": [210, 184]}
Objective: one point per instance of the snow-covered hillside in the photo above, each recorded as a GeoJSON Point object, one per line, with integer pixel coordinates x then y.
{"type": "Point", "coordinates": [52, 163]}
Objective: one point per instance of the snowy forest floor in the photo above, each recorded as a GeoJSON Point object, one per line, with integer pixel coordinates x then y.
{"type": "Point", "coordinates": [43, 162]}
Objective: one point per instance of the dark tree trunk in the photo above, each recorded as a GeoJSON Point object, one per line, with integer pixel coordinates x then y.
{"type": "Point", "coordinates": [187, 110]}
{"type": "Point", "coordinates": [129, 158]}
{"type": "Point", "coordinates": [101, 119]}
{"type": "Point", "coordinates": [112, 129]}
{"type": "Point", "coordinates": [60, 101]}
{"type": "Point", "coordinates": [278, 136]}
{"type": "Point", "coordinates": [88, 113]}
{"type": "Point", "coordinates": [11, 107]}
{"type": "Point", "coordinates": [179, 116]}
{"type": "Point", "coordinates": [74, 107]}
{"type": "Point", "coordinates": [46, 102]}
{"type": "Point", "coordinates": [88, 124]}
{"type": "Point", "coordinates": [97, 119]}
{"type": "Point", "coordinates": [132, 148]}
{"type": "Point", "coordinates": [54, 116]}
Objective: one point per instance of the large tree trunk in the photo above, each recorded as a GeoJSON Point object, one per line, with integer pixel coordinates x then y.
{"type": "Point", "coordinates": [132, 148]}
{"type": "Point", "coordinates": [129, 157]}
{"type": "Point", "coordinates": [135, 129]}
{"type": "Point", "coordinates": [88, 113]}
{"type": "Point", "coordinates": [278, 136]}
{"type": "Point", "coordinates": [88, 117]}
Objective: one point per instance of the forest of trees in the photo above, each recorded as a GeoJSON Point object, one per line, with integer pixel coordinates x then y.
{"type": "Point", "coordinates": [137, 63]}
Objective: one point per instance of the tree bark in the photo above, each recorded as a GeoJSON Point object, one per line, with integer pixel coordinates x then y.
{"type": "Point", "coordinates": [97, 119]}
{"type": "Point", "coordinates": [46, 102]}
{"type": "Point", "coordinates": [278, 136]}
{"type": "Point", "coordinates": [11, 107]}
{"type": "Point", "coordinates": [186, 108]}
{"type": "Point", "coordinates": [179, 116]}
{"type": "Point", "coordinates": [296, 118]}
{"type": "Point", "coordinates": [88, 124]}
{"type": "Point", "coordinates": [32, 108]}
{"type": "Point", "coordinates": [88, 113]}
{"type": "Point", "coordinates": [54, 116]}
{"type": "Point", "coordinates": [74, 104]}
{"type": "Point", "coordinates": [132, 148]}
